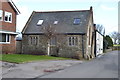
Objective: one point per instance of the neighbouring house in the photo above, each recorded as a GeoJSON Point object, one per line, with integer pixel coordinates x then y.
{"type": "Point", "coordinates": [8, 16]}
{"type": "Point", "coordinates": [74, 33]}
{"type": "Point", "coordinates": [98, 42]}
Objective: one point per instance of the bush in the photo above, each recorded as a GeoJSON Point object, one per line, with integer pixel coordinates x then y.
{"type": "Point", "coordinates": [78, 56]}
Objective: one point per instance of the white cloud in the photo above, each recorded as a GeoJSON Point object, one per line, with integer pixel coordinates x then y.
{"type": "Point", "coordinates": [107, 8]}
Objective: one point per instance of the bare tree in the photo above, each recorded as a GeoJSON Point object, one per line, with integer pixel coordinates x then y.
{"type": "Point", "coordinates": [101, 29]}
{"type": "Point", "coordinates": [49, 32]}
{"type": "Point", "coordinates": [116, 36]}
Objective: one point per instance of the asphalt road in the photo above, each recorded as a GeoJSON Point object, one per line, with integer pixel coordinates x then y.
{"type": "Point", "coordinates": [105, 66]}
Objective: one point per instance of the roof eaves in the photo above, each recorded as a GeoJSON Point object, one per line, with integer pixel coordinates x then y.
{"type": "Point", "coordinates": [99, 32]}
{"type": "Point", "coordinates": [57, 33]}
{"type": "Point", "coordinates": [88, 19]}
{"type": "Point", "coordinates": [14, 6]}
{"type": "Point", "coordinates": [26, 25]}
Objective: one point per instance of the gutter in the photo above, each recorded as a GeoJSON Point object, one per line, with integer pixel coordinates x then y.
{"type": "Point", "coordinates": [56, 33]}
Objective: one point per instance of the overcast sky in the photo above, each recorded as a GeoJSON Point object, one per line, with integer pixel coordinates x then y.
{"type": "Point", "coordinates": [105, 11]}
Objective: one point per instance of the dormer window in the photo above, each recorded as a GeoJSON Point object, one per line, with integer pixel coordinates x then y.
{"type": "Point", "coordinates": [77, 21]}
{"type": "Point", "coordinates": [1, 15]}
{"type": "Point", "coordinates": [55, 22]}
{"type": "Point", "coordinates": [8, 17]}
{"type": "Point", "coordinates": [40, 22]}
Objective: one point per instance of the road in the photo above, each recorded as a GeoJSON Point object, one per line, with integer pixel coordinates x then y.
{"type": "Point", "coordinates": [105, 66]}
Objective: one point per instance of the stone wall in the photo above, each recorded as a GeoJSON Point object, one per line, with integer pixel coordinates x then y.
{"type": "Point", "coordinates": [39, 48]}
{"type": "Point", "coordinates": [18, 47]}
{"type": "Point", "coordinates": [60, 49]}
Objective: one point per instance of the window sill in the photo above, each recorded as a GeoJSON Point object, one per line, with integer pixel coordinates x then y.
{"type": "Point", "coordinates": [9, 21]}
{"type": "Point", "coordinates": [4, 42]}
{"type": "Point", "coordinates": [52, 45]}
{"type": "Point", "coordinates": [89, 46]}
{"type": "Point", "coordinates": [72, 46]}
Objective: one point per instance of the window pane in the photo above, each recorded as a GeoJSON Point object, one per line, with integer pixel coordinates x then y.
{"type": "Point", "coordinates": [0, 18]}
{"type": "Point", "coordinates": [8, 38]}
{"type": "Point", "coordinates": [55, 22]}
{"type": "Point", "coordinates": [70, 41]}
{"type": "Point", "coordinates": [6, 18]}
{"type": "Point", "coordinates": [40, 22]}
{"type": "Point", "coordinates": [3, 37]}
{"type": "Point", "coordinates": [0, 37]}
{"type": "Point", "coordinates": [10, 18]}
{"type": "Point", "coordinates": [77, 21]}
{"type": "Point", "coordinates": [31, 40]}
{"type": "Point", "coordinates": [1, 14]}
{"type": "Point", "coordinates": [36, 40]}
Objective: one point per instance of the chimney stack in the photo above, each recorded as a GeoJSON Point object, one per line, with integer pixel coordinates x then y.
{"type": "Point", "coordinates": [91, 8]}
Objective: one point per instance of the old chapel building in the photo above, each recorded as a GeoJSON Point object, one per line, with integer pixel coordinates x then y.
{"type": "Point", "coordinates": [74, 31]}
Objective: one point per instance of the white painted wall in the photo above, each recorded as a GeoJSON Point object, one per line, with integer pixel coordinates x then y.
{"type": "Point", "coordinates": [99, 43]}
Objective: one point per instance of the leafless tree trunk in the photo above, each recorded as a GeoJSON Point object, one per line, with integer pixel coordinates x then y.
{"type": "Point", "coordinates": [49, 32]}
{"type": "Point", "coordinates": [116, 36]}
{"type": "Point", "coordinates": [101, 29]}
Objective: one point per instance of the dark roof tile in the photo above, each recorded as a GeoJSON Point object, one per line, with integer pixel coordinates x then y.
{"type": "Point", "coordinates": [65, 21]}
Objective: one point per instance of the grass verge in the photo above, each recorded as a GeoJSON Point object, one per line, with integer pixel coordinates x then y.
{"type": "Point", "coordinates": [117, 45]}
{"type": "Point", "coordinates": [22, 58]}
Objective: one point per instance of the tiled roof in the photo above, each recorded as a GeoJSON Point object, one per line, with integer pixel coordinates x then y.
{"type": "Point", "coordinates": [65, 21]}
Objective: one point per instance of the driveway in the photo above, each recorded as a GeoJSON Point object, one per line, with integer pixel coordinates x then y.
{"type": "Point", "coordinates": [105, 66]}
{"type": "Point", "coordinates": [35, 69]}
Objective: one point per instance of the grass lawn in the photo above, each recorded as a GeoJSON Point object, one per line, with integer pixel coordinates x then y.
{"type": "Point", "coordinates": [117, 45]}
{"type": "Point", "coordinates": [22, 58]}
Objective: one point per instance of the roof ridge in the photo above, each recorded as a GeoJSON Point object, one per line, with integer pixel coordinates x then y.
{"type": "Point", "coordinates": [60, 11]}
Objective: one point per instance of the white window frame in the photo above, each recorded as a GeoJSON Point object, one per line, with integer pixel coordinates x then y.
{"type": "Point", "coordinates": [8, 14]}
{"type": "Point", "coordinates": [6, 39]}
{"type": "Point", "coordinates": [1, 15]}
{"type": "Point", "coordinates": [73, 41]}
